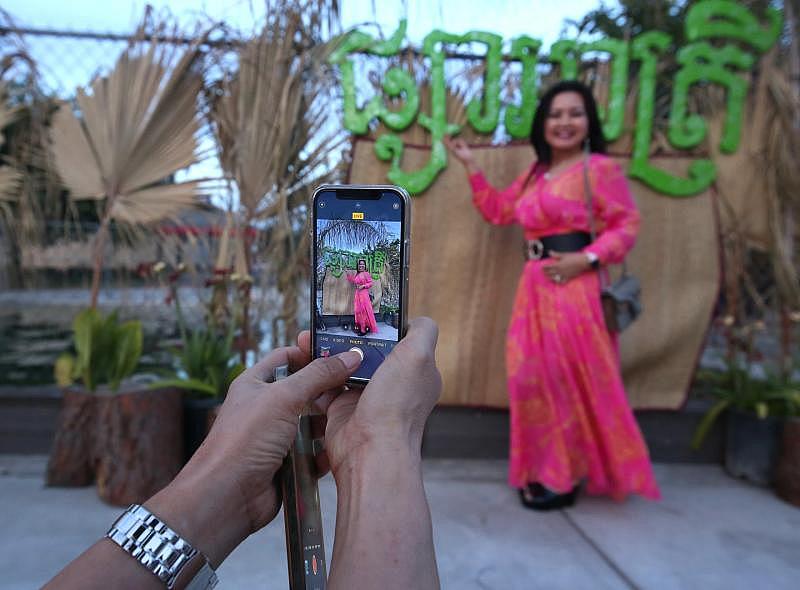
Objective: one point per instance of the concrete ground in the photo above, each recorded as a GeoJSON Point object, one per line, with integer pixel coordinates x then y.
{"type": "Point", "coordinates": [709, 531]}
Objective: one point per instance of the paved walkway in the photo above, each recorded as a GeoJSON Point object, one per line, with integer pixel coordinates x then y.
{"type": "Point", "coordinates": [709, 532]}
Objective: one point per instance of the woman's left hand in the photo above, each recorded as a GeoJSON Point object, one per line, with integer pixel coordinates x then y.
{"type": "Point", "coordinates": [565, 266]}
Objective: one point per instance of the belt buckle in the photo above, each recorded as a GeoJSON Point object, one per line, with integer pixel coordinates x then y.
{"type": "Point", "coordinates": [534, 249]}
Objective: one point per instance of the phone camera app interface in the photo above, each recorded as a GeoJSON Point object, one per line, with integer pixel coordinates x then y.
{"type": "Point", "coordinates": [358, 256]}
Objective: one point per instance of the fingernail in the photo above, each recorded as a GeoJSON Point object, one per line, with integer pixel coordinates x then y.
{"type": "Point", "coordinates": [352, 358]}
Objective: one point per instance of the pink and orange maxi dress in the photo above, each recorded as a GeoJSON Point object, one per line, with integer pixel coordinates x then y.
{"type": "Point", "coordinates": [570, 418]}
{"type": "Point", "coordinates": [362, 306]}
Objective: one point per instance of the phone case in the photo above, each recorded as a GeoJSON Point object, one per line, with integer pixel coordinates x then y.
{"type": "Point", "coordinates": [404, 271]}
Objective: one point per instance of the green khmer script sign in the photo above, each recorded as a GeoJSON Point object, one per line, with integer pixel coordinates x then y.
{"type": "Point", "coordinates": [338, 261]}
{"type": "Point", "coordinates": [700, 63]}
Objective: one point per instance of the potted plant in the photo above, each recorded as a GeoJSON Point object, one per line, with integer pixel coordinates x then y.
{"type": "Point", "coordinates": [756, 410]}
{"type": "Point", "coordinates": [123, 434]}
{"type": "Point", "coordinates": [206, 363]}
{"type": "Point", "coordinates": [787, 471]}
{"type": "Point", "coordinates": [390, 315]}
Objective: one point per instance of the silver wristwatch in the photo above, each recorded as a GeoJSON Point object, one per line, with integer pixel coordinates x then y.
{"type": "Point", "coordinates": [161, 550]}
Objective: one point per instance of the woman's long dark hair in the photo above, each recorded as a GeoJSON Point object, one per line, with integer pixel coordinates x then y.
{"type": "Point", "coordinates": [597, 142]}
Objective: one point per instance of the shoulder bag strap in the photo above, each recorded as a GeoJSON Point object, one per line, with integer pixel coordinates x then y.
{"type": "Point", "coordinates": [587, 195]}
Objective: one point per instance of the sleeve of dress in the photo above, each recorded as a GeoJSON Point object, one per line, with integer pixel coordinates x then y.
{"type": "Point", "coordinates": [616, 216]}
{"type": "Point", "coordinates": [368, 281]}
{"type": "Point", "coordinates": [496, 206]}
{"type": "Point", "coordinates": [351, 278]}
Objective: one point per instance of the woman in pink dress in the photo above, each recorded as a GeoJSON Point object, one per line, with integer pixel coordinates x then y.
{"type": "Point", "coordinates": [362, 305]}
{"type": "Point", "coordinates": [570, 418]}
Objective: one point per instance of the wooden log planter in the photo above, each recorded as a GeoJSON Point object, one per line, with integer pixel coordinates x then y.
{"type": "Point", "coordinates": [787, 473]}
{"type": "Point", "coordinates": [130, 442]}
{"type": "Point", "coordinates": [70, 462]}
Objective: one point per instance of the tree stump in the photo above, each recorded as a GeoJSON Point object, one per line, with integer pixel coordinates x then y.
{"type": "Point", "coordinates": [138, 443]}
{"type": "Point", "coordinates": [787, 473]}
{"type": "Point", "coordinates": [70, 462]}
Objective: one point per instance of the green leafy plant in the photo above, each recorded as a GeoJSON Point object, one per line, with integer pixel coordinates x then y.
{"type": "Point", "coordinates": [106, 351]}
{"type": "Point", "coordinates": [736, 388]}
{"type": "Point", "coordinates": [206, 361]}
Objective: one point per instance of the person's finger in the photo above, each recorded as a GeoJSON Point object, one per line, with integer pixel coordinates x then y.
{"type": "Point", "coordinates": [556, 255]}
{"type": "Point", "coordinates": [324, 401]}
{"type": "Point", "coordinates": [321, 375]}
{"type": "Point", "coordinates": [424, 332]}
{"type": "Point", "coordinates": [304, 341]}
{"type": "Point", "coordinates": [263, 369]}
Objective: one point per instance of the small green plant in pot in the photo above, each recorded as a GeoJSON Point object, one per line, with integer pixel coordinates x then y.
{"type": "Point", "coordinates": [107, 351]}
{"type": "Point", "coordinates": [756, 409]}
{"type": "Point", "coordinates": [206, 362]}
{"type": "Point", "coordinates": [125, 436]}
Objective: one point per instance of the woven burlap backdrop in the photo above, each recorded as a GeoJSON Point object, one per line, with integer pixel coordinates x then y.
{"type": "Point", "coordinates": [464, 272]}
{"type": "Point", "coordinates": [337, 293]}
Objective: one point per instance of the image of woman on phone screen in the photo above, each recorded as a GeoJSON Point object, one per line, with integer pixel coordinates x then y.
{"type": "Point", "coordinates": [362, 304]}
{"type": "Point", "coordinates": [570, 420]}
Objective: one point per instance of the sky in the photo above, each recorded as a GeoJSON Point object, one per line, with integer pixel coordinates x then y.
{"type": "Point", "coordinates": [538, 18]}
{"type": "Point", "coordinates": [65, 64]}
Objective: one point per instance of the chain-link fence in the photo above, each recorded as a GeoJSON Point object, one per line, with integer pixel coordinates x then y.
{"type": "Point", "coordinates": [65, 60]}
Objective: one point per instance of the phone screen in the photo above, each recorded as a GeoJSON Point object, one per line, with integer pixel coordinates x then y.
{"type": "Point", "coordinates": [359, 279]}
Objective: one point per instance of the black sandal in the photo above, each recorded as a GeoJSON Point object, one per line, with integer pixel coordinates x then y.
{"type": "Point", "coordinates": [537, 497]}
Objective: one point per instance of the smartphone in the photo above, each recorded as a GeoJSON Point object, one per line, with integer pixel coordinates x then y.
{"type": "Point", "coordinates": [359, 289]}
{"type": "Point", "coordinates": [302, 514]}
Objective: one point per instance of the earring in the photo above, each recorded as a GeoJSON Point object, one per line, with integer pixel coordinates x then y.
{"type": "Point", "coordinates": [586, 144]}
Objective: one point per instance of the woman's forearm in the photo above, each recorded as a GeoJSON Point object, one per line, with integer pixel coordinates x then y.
{"type": "Point", "coordinates": [471, 167]}
{"type": "Point", "coordinates": [383, 539]}
{"type": "Point", "coordinates": [201, 505]}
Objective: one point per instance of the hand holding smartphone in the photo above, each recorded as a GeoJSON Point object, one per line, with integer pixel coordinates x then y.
{"type": "Point", "coordinates": [359, 292]}
{"type": "Point", "coordinates": [359, 289]}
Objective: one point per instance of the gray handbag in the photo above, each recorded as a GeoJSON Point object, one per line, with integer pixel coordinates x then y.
{"type": "Point", "coordinates": [621, 299]}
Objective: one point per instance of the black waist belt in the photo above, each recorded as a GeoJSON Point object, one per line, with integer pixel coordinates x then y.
{"type": "Point", "coordinates": [541, 247]}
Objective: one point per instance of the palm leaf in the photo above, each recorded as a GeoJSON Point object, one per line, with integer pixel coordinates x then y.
{"type": "Point", "coordinates": [10, 179]}
{"type": "Point", "coordinates": [10, 183]}
{"type": "Point", "coordinates": [74, 156]}
{"type": "Point", "coordinates": [138, 128]}
{"type": "Point", "coordinates": [155, 203]}
{"type": "Point", "coordinates": [708, 421]}
{"type": "Point", "coordinates": [271, 117]}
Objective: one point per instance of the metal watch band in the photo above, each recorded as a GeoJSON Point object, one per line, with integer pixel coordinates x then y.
{"type": "Point", "coordinates": [161, 550]}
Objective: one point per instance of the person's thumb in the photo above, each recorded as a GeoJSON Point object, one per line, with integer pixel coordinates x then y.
{"type": "Point", "coordinates": [321, 375]}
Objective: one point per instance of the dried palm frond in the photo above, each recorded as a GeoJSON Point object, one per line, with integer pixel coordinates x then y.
{"type": "Point", "coordinates": [138, 127]}
{"type": "Point", "coordinates": [275, 135]}
{"type": "Point", "coordinates": [10, 179]}
{"type": "Point", "coordinates": [782, 143]}
{"type": "Point", "coordinates": [223, 260]}
{"type": "Point", "coordinates": [29, 192]}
